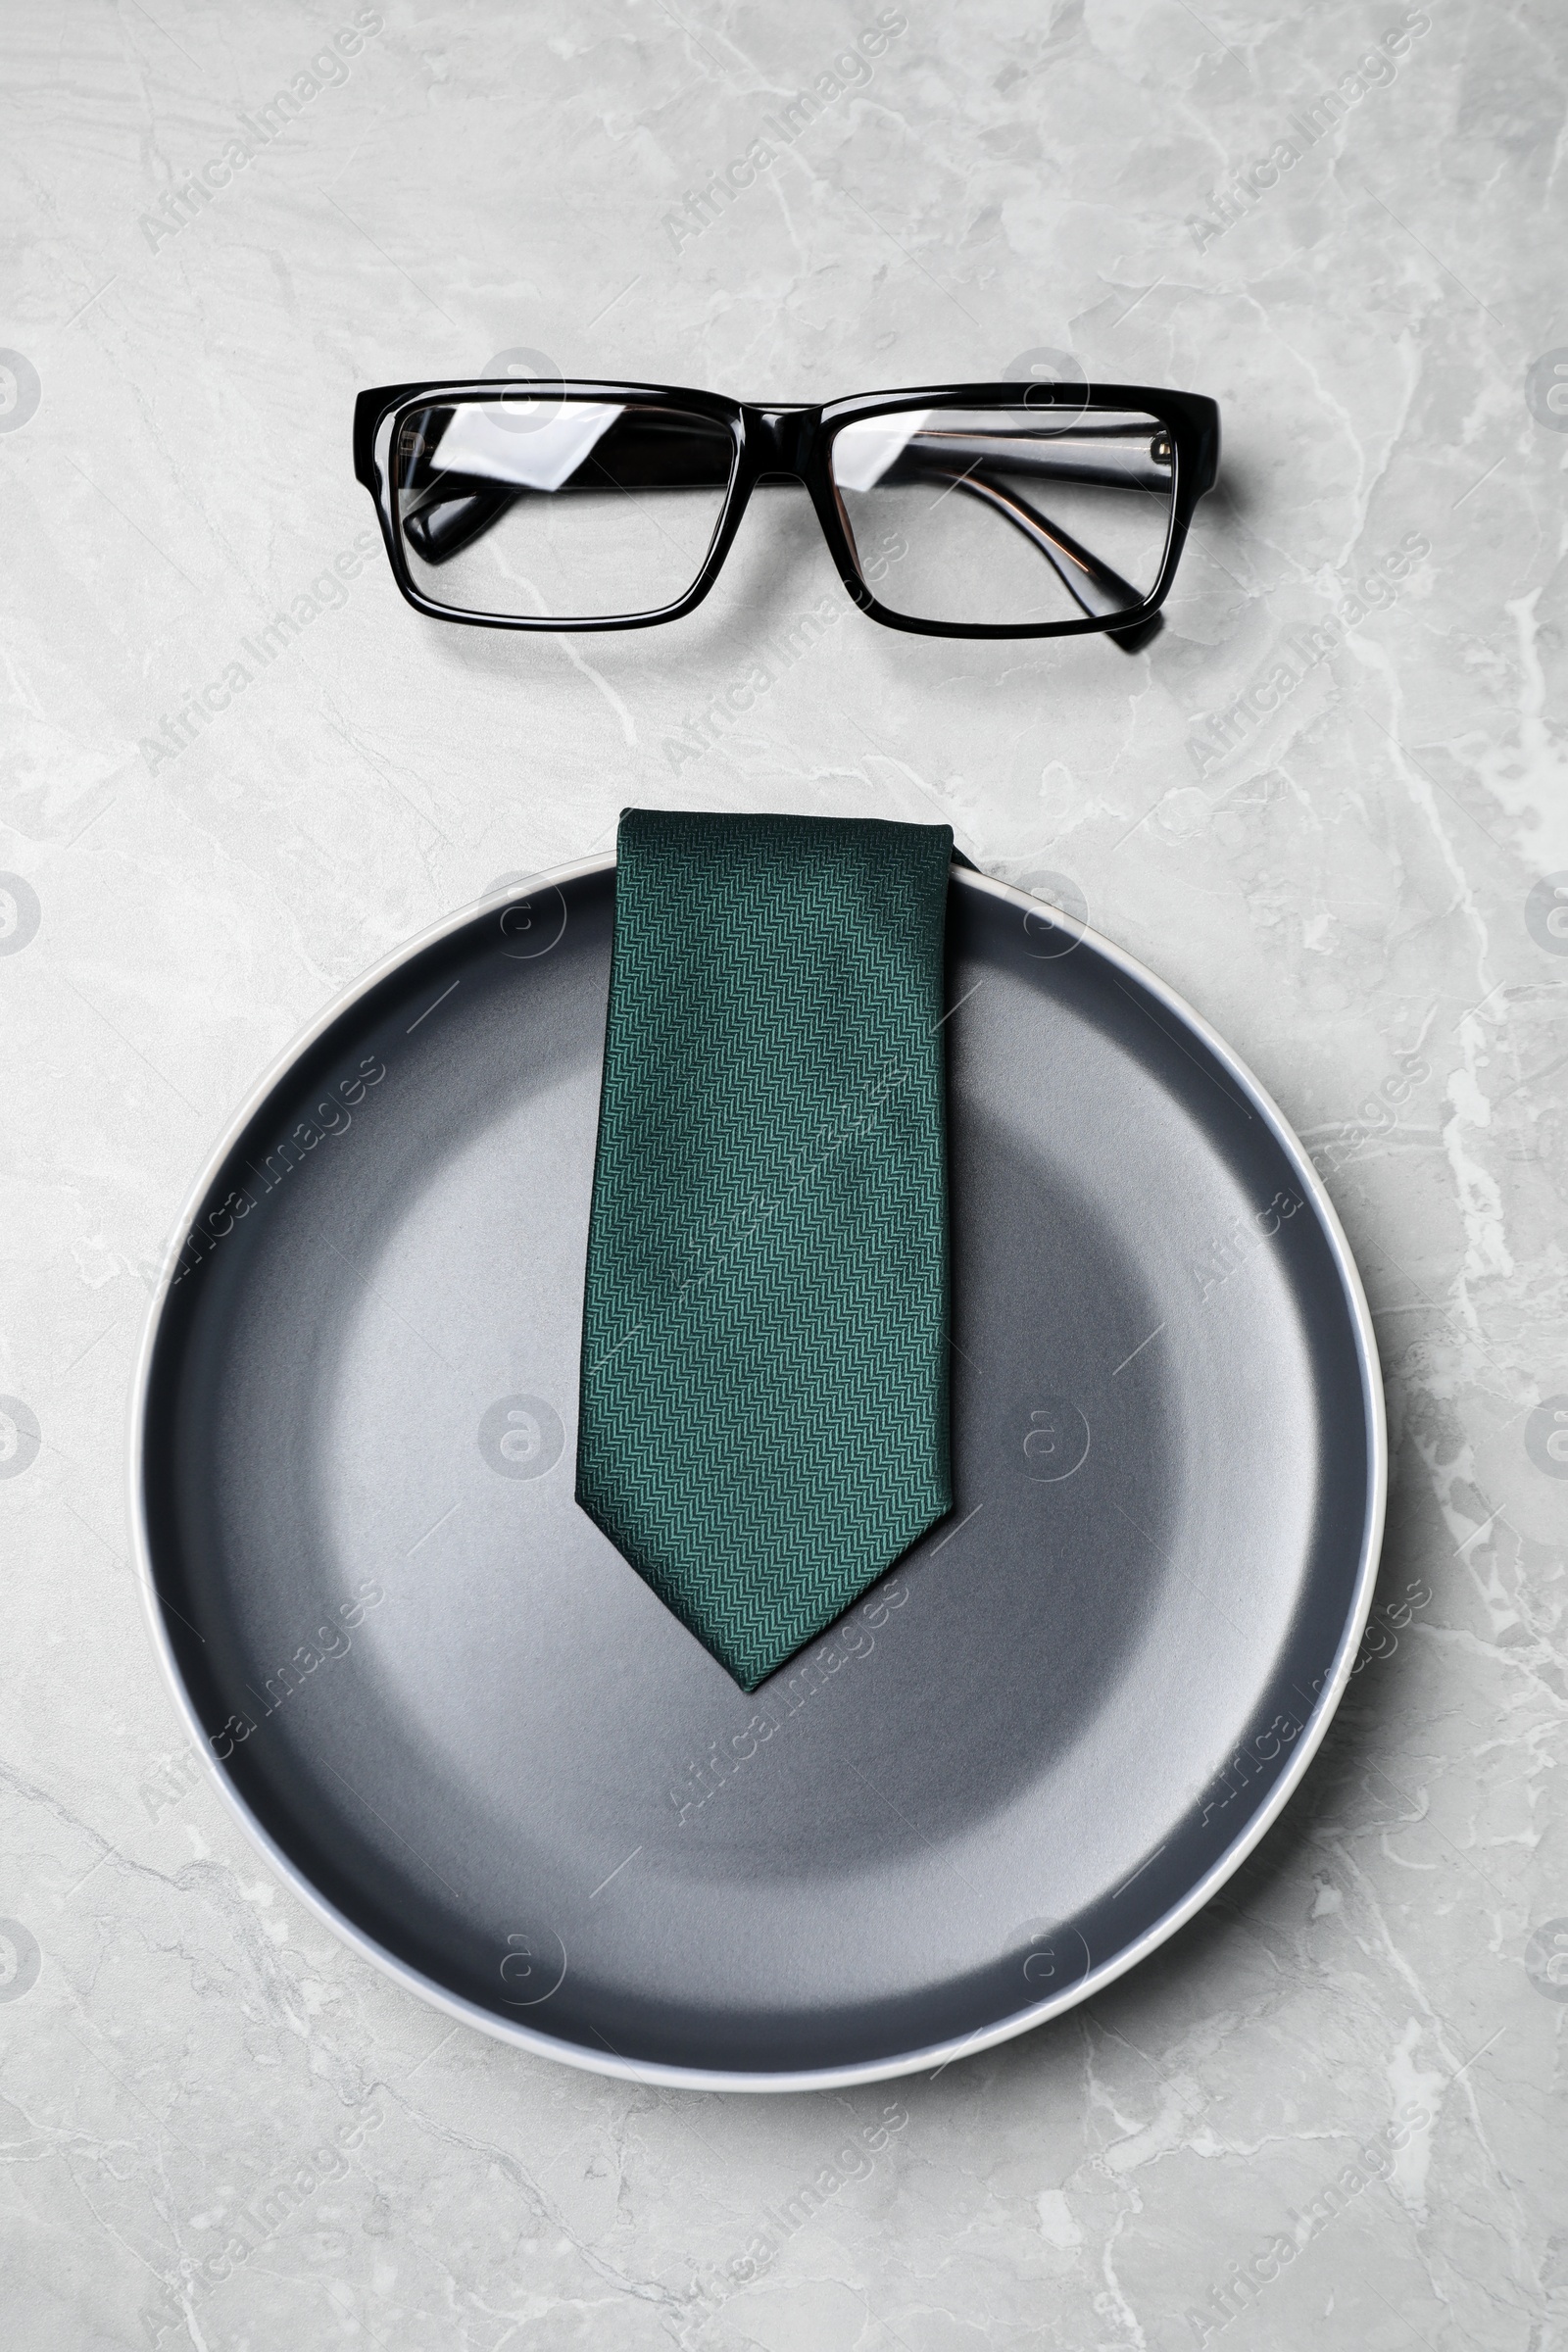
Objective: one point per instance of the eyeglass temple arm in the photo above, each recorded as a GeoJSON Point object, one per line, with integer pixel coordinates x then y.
{"type": "Point", "coordinates": [1111, 461]}
{"type": "Point", "coordinates": [1094, 586]}
{"type": "Point", "coordinates": [449, 519]}
{"type": "Point", "coordinates": [451, 508]}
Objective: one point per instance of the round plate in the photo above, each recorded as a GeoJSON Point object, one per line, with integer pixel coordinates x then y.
{"type": "Point", "coordinates": [467, 1733]}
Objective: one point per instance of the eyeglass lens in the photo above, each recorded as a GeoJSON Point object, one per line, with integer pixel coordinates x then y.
{"type": "Point", "coordinates": [553, 507]}
{"type": "Point", "coordinates": [1009, 516]}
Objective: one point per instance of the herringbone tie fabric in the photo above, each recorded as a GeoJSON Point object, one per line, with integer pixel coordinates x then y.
{"type": "Point", "coordinates": [765, 1400]}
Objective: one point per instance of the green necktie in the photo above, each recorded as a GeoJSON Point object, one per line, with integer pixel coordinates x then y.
{"type": "Point", "coordinates": [763, 1419]}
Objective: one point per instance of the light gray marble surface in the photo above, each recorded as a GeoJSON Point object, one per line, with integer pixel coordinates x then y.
{"type": "Point", "coordinates": [1361, 872]}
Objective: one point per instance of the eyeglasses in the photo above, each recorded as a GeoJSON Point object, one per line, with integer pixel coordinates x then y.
{"type": "Point", "coordinates": [968, 510]}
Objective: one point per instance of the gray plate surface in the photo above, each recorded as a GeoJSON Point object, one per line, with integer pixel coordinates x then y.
{"type": "Point", "coordinates": [470, 1736]}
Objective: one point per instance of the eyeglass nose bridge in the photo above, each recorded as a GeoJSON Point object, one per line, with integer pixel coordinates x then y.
{"type": "Point", "coordinates": [779, 439]}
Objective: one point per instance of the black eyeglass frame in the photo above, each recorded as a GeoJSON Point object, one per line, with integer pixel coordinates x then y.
{"type": "Point", "coordinates": [793, 441]}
